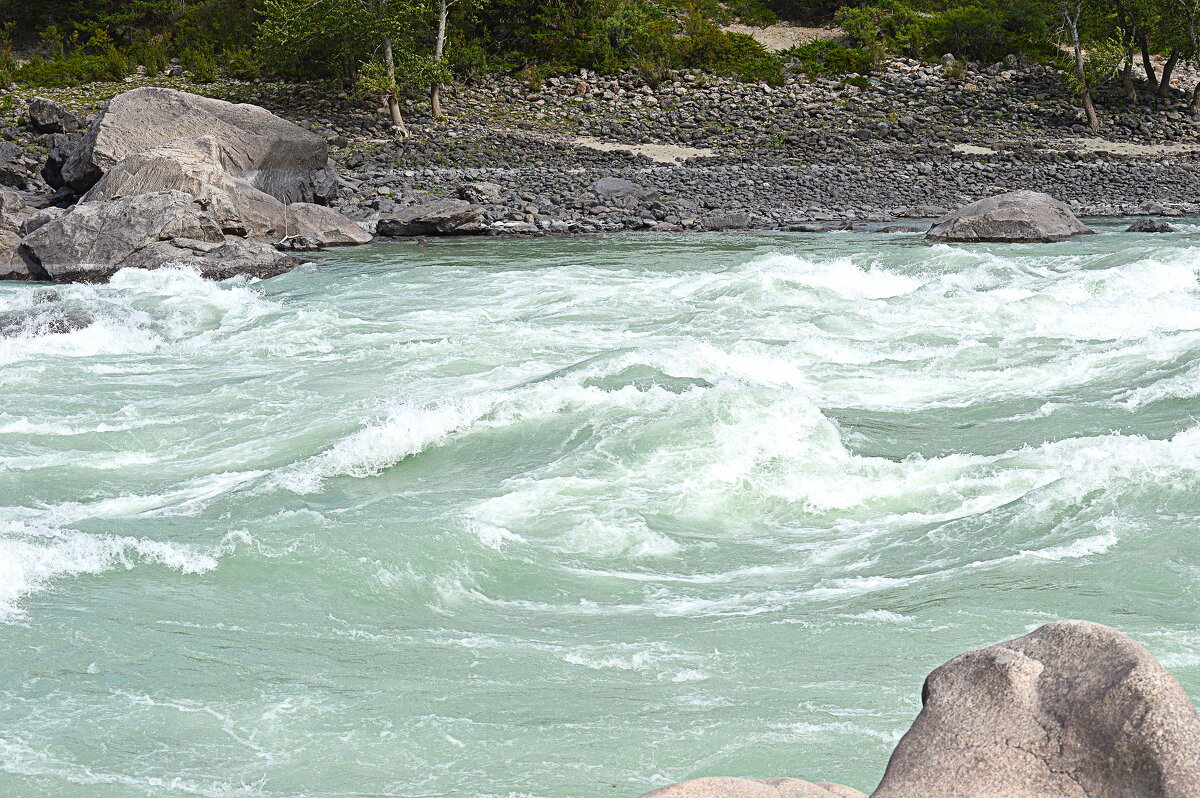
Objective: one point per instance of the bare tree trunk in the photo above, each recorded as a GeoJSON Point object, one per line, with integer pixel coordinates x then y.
{"type": "Point", "coordinates": [1164, 82]}
{"type": "Point", "coordinates": [1127, 78]}
{"type": "Point", "coordinates": [1090, 110]}
{"type": "Point", "coordinates": [393, 103]}
{"type": "Point", "coordinates": [1195, 109]}
{"type": "Point", "coordinates": [439, 47]}
{"type": "Point", "coordinates": [1071, 18]}
{"type": "Point", "coordinates": [1151, 76]}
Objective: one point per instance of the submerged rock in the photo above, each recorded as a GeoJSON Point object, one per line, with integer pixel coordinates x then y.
{"type": "Point", "coordinates": [1019, 216]}
{"type": "Point", "coordinates": [277, 157]}
{"type": "Point", "coordinates": [1150, 226]}
{"type": "Point", "coordinates": [43, 321]}
{"type": "Point", "coordinates": [1072, 710]}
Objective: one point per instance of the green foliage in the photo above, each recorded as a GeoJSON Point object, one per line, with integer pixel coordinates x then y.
{"type": "Point", "coordinates": [826, 57]}
{"type": "Point", "coordinates": [104, 64]}
{"type": "Point", "coordinates": [149, 54]}
{"type": "Point", "coordinates": [984, 33]}
{"type": "Point", "coordinates": [705, 46]}
{"type": "Point", "coordinates": [241, 64]}
{"type": "Point", "coordinates": [201, 63]}
{"type": "Point", "coordinates": [755, 12]}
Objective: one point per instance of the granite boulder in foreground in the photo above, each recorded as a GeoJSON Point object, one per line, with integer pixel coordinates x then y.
{"type": "Point", "coordinates": [1015, 217]}
{"type": "Point", "coordinates": [1071, 710]}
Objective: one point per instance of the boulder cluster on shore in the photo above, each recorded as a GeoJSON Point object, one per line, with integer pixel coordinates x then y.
{"type": "Point", "coordinates": [590, 153]}
{"type": "Point", "coordinates": [1071, 710]}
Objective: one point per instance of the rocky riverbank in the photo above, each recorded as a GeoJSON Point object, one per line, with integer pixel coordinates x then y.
{"type": "Point", "coordinates": [697, 152]}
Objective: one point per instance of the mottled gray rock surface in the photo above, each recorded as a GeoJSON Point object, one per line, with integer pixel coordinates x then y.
{"type": "Point", "coordinates": [1018, 216]}
{"type": "Point", "coordinates": [274, 155]}
{"type": "Point", "coordinates": [95, 239]}
{"type": "Point", "coordinates": [438, 217]}
{"type": "Point", "coordinates": [1072, 710]}
{"type": "Point", "coordinates": [1150, 226]}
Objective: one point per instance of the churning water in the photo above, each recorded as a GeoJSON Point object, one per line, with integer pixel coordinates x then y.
{"type": "Point", "coordinates": [578, 518]}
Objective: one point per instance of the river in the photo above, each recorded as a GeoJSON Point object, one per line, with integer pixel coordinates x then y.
{"type": "Point", "coordinates": [578, 517]}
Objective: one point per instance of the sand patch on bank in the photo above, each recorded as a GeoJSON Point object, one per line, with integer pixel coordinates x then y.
{"type": "Point", "coordinates": [782, 36]}
{"type": "Point", "coordinates": [1128, 148]}
{"type": "Point", "coordinates": [662, 153]}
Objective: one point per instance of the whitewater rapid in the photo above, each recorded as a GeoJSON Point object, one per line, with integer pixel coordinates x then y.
{"type": "Point", "coordinates": [578, 517]}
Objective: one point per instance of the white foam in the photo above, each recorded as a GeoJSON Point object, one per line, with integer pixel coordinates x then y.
{"type": "Point", "coordinates": [34, 557]}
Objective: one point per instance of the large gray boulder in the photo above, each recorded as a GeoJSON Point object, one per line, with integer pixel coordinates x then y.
{"type": "Point", "coordinates": [1019, 216]}
{"type": "Point", "coordinates": [610, 189]}
{"type": "Point", "coordinates": [444, 217]}
{"type": "Point", "coordinates": [1150, 226]}
{"type": "Point", "coordinates": [725, 787]}
{"type": "Point", "coordinates": [15, 265]}
{"type": "Point", "coordinates": [274, 155]}
{"type": "Point", "coordinates": [1072, 710]}
{"type": "Point", "coordinates": [196, 166]}
{"type": "Point", "coordinates": [95, 239]}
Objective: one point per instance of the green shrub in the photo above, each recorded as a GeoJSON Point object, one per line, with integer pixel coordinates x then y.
{"type": "Point", "coordinates": [734, 55]}
{"type": "Point", "coordinates": [241, 64]}
{"type": "Point", "coordinates": [984, 33]}
{"type": "Point", "coordinates": [201, 62]}
{"type": "Point", "coordinates": [149, 54]}
{"type": "Point", "coordinates": [827, 57]}
{"type": "Point", "coordinates": [77, 67]}
{"type": "Point", "coordinates": [755, 12]}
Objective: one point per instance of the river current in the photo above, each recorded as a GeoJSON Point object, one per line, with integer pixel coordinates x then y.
{"type": "Point", "coordinates": [578, 517]}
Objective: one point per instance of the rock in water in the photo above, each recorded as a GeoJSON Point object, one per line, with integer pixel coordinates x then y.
{"type": "Point", "coordinates": [43, 321]}
{"type": "Point", "coordinates": [1150, 226]}
{"type": "Point", "coordinates": [95, 239]}
{"type": "Point", "coordinates": [1019, 216]}
{"type": "Point", "coordinates": [447, 217]}
{"type": "Point", "coordinates": [274, 155]}
{"type": "Point", "coordinates": [723, 787]}
{"type": "Point", "coordinates": [1072, 710]}
{"type": "Point", "coordinates": [324, 226]}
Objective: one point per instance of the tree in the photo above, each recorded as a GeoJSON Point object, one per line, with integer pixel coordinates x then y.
{"type": "Point", "coordinates": [1184, 14]}
{"type": "Point", "coordinates": [363, 40]}
{"type": "Point", "coordinates": [1086, 28]}
{"type": "Point", "coordinates": [439, 49]}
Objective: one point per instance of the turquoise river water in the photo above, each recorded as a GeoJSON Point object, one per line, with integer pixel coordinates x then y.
{"type": "Point", "coordinates": [578, 517]}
